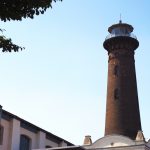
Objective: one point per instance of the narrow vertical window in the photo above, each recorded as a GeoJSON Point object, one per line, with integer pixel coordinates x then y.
{"type": "Point", "coordinates": [1, 135]}
{"type": "Point", "coordinates": [25, 143]}
{"type": "Point", "coordinates": [116, 94]}
{"type": "Point", "coordinates": [116, 70]}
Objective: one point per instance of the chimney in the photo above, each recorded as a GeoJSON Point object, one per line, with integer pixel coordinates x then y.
{"type": "Point", "coordinates": [87, 140]}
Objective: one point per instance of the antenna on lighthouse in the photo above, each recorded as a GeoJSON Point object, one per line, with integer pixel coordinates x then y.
{"type": "Point", "coordinates": [120, 21]}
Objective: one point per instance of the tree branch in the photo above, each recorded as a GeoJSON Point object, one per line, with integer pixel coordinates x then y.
{"type": "Point", "coordinates": [18, 9]}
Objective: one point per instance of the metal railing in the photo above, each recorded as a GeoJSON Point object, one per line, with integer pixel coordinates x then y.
{"type": "Point", "coordinates": [122, 34]}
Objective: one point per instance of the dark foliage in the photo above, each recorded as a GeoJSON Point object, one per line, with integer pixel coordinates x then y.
{"type": "Point", "coordinates": [7, 46]}
{"type": "Point", "coordinates": [17, 10]}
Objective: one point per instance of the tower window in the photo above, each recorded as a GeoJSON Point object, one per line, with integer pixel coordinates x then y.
{"type": "Point", "coordinates": [1, 134]}
{"type": "Point", "coordinates": [116, 94]}
{"type": "Point", "coordinates": [116, 70]}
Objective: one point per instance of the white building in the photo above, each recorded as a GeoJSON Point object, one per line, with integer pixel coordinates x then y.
{"type": "Point", "coordinates": [110, 142]}
{"type": "Point", "coordinates": [118, 142]}
{"type": "Point", "coordinates": [18, 134]}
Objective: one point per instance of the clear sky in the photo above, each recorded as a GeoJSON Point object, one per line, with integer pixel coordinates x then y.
{"type": "Point", "coordinates": [59, 82]}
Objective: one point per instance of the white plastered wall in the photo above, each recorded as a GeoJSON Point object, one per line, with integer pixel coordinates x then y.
{"type": "Point", "coordinates": [6, 137]}
{"type": "Point", "coordinates": [51, 143]}
{"type": "Point", "coordinates": [12, 132]}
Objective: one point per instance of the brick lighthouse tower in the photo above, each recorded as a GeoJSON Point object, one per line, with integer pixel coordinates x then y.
{"type": "Point", "coordinates": [122, 109]}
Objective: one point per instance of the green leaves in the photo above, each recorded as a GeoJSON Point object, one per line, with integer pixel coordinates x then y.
{"type": "Point", "coordinates": [7, 46]}
{"type": "Point", "coordinates": [18, 9]}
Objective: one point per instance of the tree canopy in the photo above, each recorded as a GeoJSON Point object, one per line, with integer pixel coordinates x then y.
{"type": "Point", "coordinates": [17, 10]}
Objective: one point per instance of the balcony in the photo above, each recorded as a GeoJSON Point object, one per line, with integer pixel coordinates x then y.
{"type": "Point", "coordinates": [120, 34]}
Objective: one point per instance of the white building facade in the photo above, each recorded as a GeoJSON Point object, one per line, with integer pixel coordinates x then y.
{"type": "Point", "coordinates": [110, 142]}
{"type": "Point", "coordinates": [18, 134]}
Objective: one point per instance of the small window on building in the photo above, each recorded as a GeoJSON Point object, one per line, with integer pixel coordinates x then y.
{"type": "Point", "coordinates": [116, 70]}
{"type": "Point", "coordinates": [47, 146]}
{"type": "Point", "coordinates": [116, 94]}
{"type": "Point", "coordinates": [1, 134]}
{"type": "Point", "coordinates": [25, 143]}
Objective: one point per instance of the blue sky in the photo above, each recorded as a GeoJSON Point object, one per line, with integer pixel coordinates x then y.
{"type": "Point", "coordinates": [59, 82]}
